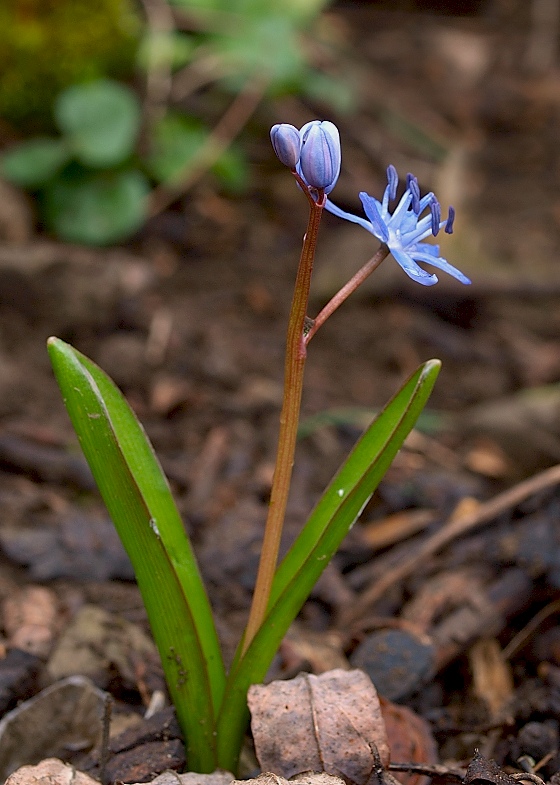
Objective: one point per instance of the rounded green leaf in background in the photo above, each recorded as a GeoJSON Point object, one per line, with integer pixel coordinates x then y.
{"type": "Point", "coordinates": [97, 209]}
{"type": "Point", "coordinates": [176, 141]}
{"type": "Point", "coordinates": [101, 120]}
{"type": "Point", "coordinates": [32, 164]}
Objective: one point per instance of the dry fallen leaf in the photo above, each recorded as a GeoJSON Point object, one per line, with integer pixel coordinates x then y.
{"type": "Point", "coordinates": [192, 778]}
{"type": "Point", "coordinates": [267, 778]}
{"type": "Point", "coordinates": [410, 739]}
{"type": "Point", "coordinates": [51, 771]}
{"type": "Point", "coordinates": [97, 642]}
{"type": "Point", "coordinates": [482, 771]}
{"type": "Point", "coordinates": [492, 676]}
{"type": "Point", "coordinates": [31, 619]}
{"type": "Point", "coordinates": [323, 723]}
{"type": "Point", "coordinates": [66, 715]}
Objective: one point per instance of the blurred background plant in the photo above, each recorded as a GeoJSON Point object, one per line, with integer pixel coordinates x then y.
{"type": "Point", "coordinates": [193, 71]}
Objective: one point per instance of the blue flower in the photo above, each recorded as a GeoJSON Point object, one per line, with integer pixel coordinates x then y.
{"type": "Point", "coordinates": [404, 229]}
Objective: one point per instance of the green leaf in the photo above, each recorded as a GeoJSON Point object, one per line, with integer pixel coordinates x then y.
{"type": "Point", "coordinates": [139, 501]}
{"type": "Point", "coordinates": [101, 121]}
{"type": "Point", "coordinates": [231, 170]}
{"type": "Point", "coordinates": [328, 524]}
{"type": "Point", "coordinates": [268, 45]}
{"type": "Point", "coordinates": [176, 141]}
{"type": "Point", "coordinates": [32, 164]}
{"type": "Point", "coordinates": [335, 92]}
{"type": "Point", "coordinates": [97, 209]}
{"type": "Point", "coordinates": [163, 49]}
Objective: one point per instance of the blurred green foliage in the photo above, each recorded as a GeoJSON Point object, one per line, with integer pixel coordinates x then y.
{"type": "Point", "coordinates": [176, 141]}
{"type": "Point", "coordinates": [242, 39]}
{"type": "Point", "coordinates": [93, 181]}
{"type": "Point", "coordinates": [46, 45]}
{"type": "Point", "coordinates": [92, 187]}
{"type": "Point", "coordinates": [88, 185]}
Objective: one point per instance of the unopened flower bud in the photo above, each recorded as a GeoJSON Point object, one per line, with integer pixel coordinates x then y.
{"type": "Point", "coordinates": [286, 141]}
{"type": "Point", "coordinates": [319, 163]}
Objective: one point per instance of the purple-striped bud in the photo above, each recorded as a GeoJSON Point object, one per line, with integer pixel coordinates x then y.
{"type": "Point", "coordinates": [319, 163]}
{"type": "Point", "coordinates": [286, 141]}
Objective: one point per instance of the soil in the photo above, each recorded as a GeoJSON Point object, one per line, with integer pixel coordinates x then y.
{"type": "Point", "coordinates": [189, 319]}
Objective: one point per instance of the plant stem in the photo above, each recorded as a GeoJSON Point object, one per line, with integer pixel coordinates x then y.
{"type": "Point", "coordinates": [336, 301]}
{"type": "Point", "coordinates": [289, 418]}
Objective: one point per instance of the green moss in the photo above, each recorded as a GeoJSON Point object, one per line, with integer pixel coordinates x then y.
{"type": "Point", "coordinates": [47, 45]}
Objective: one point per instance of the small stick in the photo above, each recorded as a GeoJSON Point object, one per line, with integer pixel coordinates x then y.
{"type": "Point", "coordinates": [519, 640]}
{"type": "Point", "coordinates": [430, 770]}
{"type": "Point", "coordinates": [453, 529]}
{"type": "Point", "coordinates": [104, 754]}
{"type": "Point", "coordinates": [159, 20]}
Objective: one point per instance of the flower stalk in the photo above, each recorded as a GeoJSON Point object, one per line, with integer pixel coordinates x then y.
{"type": "Point", "coordinates": [289, 418]}
{"type": "Point", "coordinates": [344, 293]}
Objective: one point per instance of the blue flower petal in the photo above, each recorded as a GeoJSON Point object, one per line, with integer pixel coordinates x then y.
{"type": "Point", "coordinates": [413, 270]}
{"type": "Point", "coordinates": [355, 219]}
{"type": "Point", "coordinates": [426, 248]}
{"type": "Point", "coordinates": [408, 226]}
{"type": "Point", "coordinates": [441, 264]}
{"type": "Point", "coordinates": [380, 229]}
{"type": "Point", "coordinates": [400, 211]}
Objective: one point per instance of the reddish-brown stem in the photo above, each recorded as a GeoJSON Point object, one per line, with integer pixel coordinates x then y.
{"type": "Point", "coordinates": [289, 418]}
{"type": "Point", "coordinates": [346, 291]}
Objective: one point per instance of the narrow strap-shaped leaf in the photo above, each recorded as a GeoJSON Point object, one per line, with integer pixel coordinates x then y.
{"type": "Point", "coordinates": [346, 496]}
{"type": "Point", "coordinates": [330, 521]}
{"type": "Point", "coordinates": [139, 500]}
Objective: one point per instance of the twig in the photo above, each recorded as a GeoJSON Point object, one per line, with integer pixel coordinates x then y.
{"type": "Point", "coordinates": [159, 20]}
{"type": "Point", "coordinates": [207, 68]}
{"type": "Point", "coordinates": [453, 529]}
{"type": "Point", "coordinates": [104, 754]}
{"type": "Point", "coordinates": [430, 770]}
{"type": "Point", "coordinates": [519, 640]}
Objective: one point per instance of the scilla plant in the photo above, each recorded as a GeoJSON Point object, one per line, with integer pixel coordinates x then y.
{"type": "Point", "coordinates": [210, 702]}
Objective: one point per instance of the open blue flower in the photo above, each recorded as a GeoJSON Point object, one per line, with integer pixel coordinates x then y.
{"type": "Point", "coordinates": [404, 229]}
